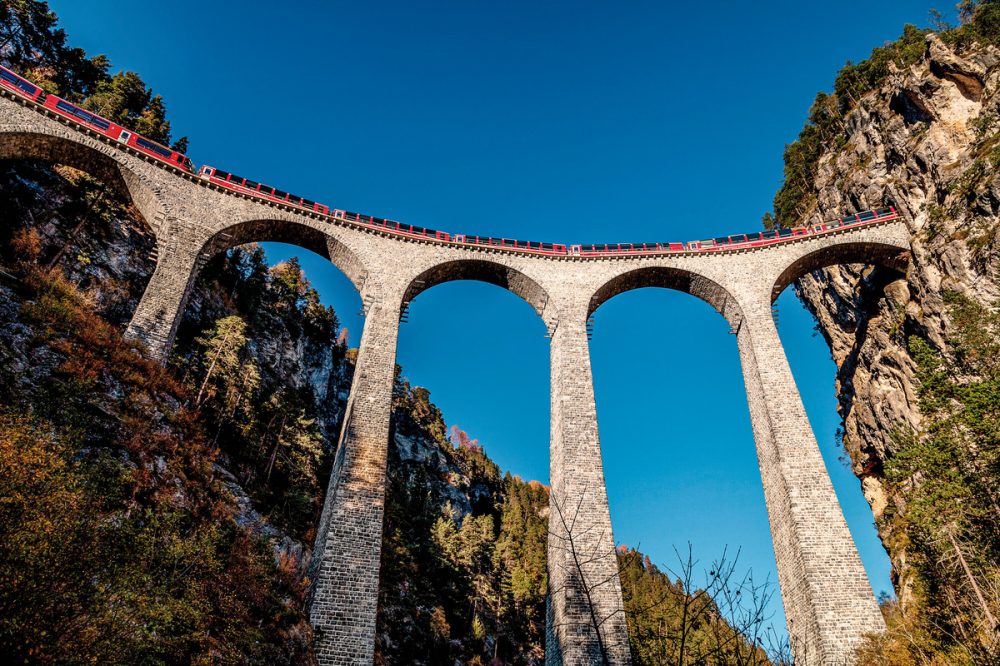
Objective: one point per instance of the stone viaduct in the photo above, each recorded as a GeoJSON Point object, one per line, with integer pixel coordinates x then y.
{"type": "Point", "coordinates": [827, 597]}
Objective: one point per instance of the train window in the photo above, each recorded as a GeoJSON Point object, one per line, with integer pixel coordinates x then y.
{"type": "Point", "coordinates": [96, 120]}
{"type": "Point", "coordinates": [83, 115]}
{"type": "Point", "coordinates": [249, 184]}
{"type": "Point", "coordinates": [546, 246]}
{"type": "Point", "coordinates": [867, 215]}
{"type": "Point", "coordinates": [882, 212]}
{"type": "Point", "coordinates": [156, 148]}
{"type": "Point", "coordinates": [770, 233]}
{"type": "Point", "coordinates": [784, 233]}
{"type": "Point", "coordinates": [264, 189]}
{"type": "Point", "coordinates": [221, 175]}
{"type": "Point", "coordinates": [18, 81]}
{"type": "Point", "coordinates": [723, 240]}
{"type": "Point", "coordinates": [280, 195]}
{"type": "Point", "coordinates": [848, 219]}
{"type": "Point", "coordinates": [308, 204]}
{"type": "Point", "coordinates": [420, 231]}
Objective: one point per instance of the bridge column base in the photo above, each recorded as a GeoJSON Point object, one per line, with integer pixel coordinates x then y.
{"type": "Point", "coordinates": [160, 310]}
{"type": "Point", "coordinates": [585, 612]}
{"type": "Point", "coordinates": [346, 558]}
{"type": "Point", "coordinates": [828, 599]}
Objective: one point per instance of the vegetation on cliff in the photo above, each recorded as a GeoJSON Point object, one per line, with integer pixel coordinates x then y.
{"type": "Point", "coordinates": [117, 539]}
{"type": "Point", "coordinates": [948, 472]}
{"type": "Point", "coordinates": [32, 44]}
{"type": "Point", "coordinates": [825, 131]}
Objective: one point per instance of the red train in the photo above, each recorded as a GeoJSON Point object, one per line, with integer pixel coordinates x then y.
{"type": "Point", "coordinates": [239, 184]}
{"type": "Point", "coordinates": [737, 241]}
{"type": "Point", "coordinates": [57, 105]}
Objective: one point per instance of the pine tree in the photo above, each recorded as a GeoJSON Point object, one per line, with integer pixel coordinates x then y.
{"type": "Point", "coordinates": [221, 350]}
{"type": "Point", "coordinates": [125, 99]}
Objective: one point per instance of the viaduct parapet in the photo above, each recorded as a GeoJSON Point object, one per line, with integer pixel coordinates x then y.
{"type": "Point", "coordinates": [827, 598]}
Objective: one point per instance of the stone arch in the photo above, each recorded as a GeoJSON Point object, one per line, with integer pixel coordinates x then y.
{"type": "Point", "coordinates": [668, 277]}
{"type": "Point", "coordinates": [85, 155]}
{"type": "Point", "coordinates": [480, 270]}
{"type": "Point", "coordinates": [887, 255]}
{"type": "Point", "coordinates": [294, 233]}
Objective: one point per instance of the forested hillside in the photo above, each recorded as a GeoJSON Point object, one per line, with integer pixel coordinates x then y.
{"type": "Point", "coordinates": [165, 515]}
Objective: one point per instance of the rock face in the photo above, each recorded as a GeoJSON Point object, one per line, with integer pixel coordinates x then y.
{"type": "Point", "coordinates": [926, 141]}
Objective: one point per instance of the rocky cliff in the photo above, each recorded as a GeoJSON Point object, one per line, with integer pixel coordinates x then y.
{"type": "Point", "coordinates": [915, 126]}
{"type": "Point", "coordinates": [922, 142]}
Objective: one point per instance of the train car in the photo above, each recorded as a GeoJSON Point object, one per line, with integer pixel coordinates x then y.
{"type": "Point", "coordinates": [521, 245]}
{"type": "Point", "coordinates": [118, 133]}
{"type": "Point", "coordinates": [422, 232]}
{"type": "Point", "coordinates": [392, 225]}
{"type": "Point", "coordinates": [159, 151]}
{"type": "Point", "coordinates": [19, 85]}
{"type": "Point", "coordinates": [239, 184]}
{"type": "Point", "coordinates": [78, 115]}
{"type": "Point", "coordinates": [547, 248]}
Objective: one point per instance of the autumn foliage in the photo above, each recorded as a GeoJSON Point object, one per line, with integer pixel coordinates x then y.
{"type": "Point", "coordinates": [117, 543]}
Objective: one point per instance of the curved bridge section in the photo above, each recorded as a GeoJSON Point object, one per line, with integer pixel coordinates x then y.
{"type": "Point", "coordinates": [828, 600]}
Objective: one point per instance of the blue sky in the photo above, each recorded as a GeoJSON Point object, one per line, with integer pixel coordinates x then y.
{"type": "Point", "coordinates": [559, 121]}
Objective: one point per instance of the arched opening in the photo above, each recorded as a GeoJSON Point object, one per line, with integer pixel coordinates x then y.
{"type": "Point", "coordinates": [126, 184]}
{"type": "Point", "coordinates": [293, 233]}
{"type": "Point", "coordinates": [265, 349]}
{"type": "Point", "coordinates": [890, 257]}
{"type": "Point", "coordinates": [490, 272]}
{"type": "Point", "coordinates": [465, 511]}
{"type": "Point", "coordinates": [680, 462]}
{"type": "Point", "coordinates": [870, 282]}
{"type": "Point", "coordinates": [74, 203]}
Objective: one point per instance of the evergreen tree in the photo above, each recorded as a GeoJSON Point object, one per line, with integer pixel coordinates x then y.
{"type": "Point", "coordinates": [125, 99]}
{"type": "Point", "coordinates": [222, 347]}
{"type": "Point", "coordinates": [30, 43]}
